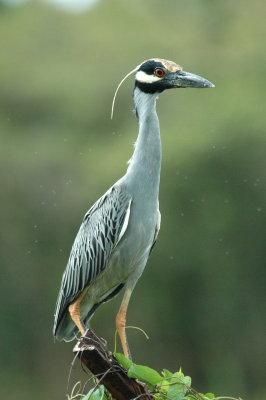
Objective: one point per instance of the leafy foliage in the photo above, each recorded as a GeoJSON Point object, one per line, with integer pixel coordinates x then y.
{"type": "Point", "coordinates": [164, 386]}
{"type": "Point", "coordinates": [97, 393]}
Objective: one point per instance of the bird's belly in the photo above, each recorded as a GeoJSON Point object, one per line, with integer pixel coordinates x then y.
{"type": "Point", "coordinates": [131, 254]}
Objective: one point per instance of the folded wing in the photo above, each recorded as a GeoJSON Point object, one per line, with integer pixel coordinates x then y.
{"type": "Point", "coordinates": [101, 230]}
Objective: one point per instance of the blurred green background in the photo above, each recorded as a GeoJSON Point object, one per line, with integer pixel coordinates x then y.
{"type": "Point", "coordinates": [201, 298]}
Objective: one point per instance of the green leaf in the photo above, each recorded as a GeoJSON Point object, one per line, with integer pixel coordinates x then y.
{"type": "Point", "coordinates": [178, 386]}
{"type": "Point", "coordinates": [181, 378]}
{"type": "Point", "coordinates": [176, 391]}
{"type": "Point", "coordinates": [145, 374]}
{"type": "Point", "coordinates": [166, 373]}
{"type": "Point", "coordinates": [179, 375]}
{"type": "Point", "coordinates": [123, 360]}
{"type": "Point", "coordinates": [187, 381]}
{"type": "Point", "coordinates": [95, 394]}
{"type": "Point", "coordinates": [164, 386]}
{"type": "Point", "coordinates": [209, 396]}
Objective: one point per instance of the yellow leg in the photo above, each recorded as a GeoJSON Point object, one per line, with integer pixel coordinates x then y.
{"type": "Point", "coordinates": [121, 322]}
{"type": "Point", "coordinates": [74, 311]}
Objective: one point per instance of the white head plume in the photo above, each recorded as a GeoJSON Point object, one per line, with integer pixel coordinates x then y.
{"type": "Point", "coordinates": [119, 85]}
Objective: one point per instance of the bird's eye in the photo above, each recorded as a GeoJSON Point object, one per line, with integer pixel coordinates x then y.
{"type": "Point", "coordinates": [159, 72]}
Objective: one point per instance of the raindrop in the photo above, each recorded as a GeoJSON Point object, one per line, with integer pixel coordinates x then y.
{"type": "Point", "coordinates": [259, 209]}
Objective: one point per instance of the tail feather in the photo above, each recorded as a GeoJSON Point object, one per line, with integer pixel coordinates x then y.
{"type": "Point", "coordinates": [66, 329]}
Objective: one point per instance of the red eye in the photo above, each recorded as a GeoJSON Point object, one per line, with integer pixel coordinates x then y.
{"type": "Point", "coordinates": [159, 72]}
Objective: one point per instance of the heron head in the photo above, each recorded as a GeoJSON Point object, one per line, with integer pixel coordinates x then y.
{"type": "Point", "coordinates": [156, 75]}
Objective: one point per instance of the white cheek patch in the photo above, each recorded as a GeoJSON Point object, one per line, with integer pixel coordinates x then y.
{"type": "Point", "coordinates": [141, 76]}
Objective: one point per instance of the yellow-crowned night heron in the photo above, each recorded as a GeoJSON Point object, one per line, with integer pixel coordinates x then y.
{"type": "Point", "coordinates": [117, 234]}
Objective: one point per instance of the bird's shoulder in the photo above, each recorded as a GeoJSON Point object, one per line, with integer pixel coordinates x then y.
{"type": "Point", "coordinates": [103, 224]}
{"type": "Point", "coordinates": [111, 204]}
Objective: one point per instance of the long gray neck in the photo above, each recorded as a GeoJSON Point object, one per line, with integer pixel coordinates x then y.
{"type": "Point", "coordinates": [145, 165]}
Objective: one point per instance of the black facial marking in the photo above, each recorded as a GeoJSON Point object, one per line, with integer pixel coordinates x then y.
{"type": "Point", "coordinates": [149, 66]}
{"type": "Point", "coordinates": [154, 87]}
{"type": "Point", "coordinates": [150, 87]}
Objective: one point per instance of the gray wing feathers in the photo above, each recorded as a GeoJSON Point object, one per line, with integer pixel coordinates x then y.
{"type": "Point", "coordinates": [102, 228]}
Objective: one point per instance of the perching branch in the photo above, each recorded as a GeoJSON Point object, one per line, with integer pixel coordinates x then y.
{"type": "Point", "coordinates": [94, 354]}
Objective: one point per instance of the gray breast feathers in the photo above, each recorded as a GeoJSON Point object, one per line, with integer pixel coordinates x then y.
{"type": "Point", "coordinates": [102, 228]}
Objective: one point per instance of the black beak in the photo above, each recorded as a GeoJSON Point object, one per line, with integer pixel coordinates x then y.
{"type": "Point", "coordinates": [183, 79]}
